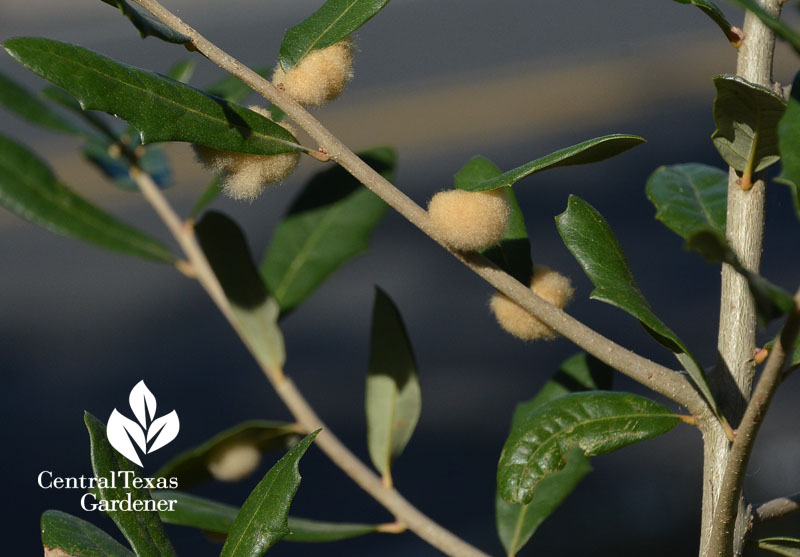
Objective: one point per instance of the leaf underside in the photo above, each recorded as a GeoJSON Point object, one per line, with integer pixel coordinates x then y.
{"type": "Point", "coordinates": [393, 395]}
{"type": "Point", "coordinates": [747, 118]}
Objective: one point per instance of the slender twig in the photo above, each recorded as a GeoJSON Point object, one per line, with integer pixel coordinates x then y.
{"type": "Point", "coordinates": [307, 419]}
{"type": "Point", "coordinates": [777, 508]}
{"type": "Point", "coordinates": [661, 379]}
{"type": "Point", "coordinates": [721, 539]}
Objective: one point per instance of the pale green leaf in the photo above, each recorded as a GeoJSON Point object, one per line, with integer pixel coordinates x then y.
{"type": "Point", "coordinates": [393, 395]}
{"type": "Point", "coordinates": [747, 118]}
{"type": "Point", "coordinates": [256, 313]}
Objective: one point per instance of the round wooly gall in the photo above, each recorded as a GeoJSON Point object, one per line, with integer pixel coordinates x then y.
{"type": "Point", "coordinates": [320, 76]}
{"type": "Point", "coordinates": [546, 283]}
{"type": "Point", "coordinates": [468, 221]}
{"type": "Point", "coordinates": [234, 461]}
{"type": "Point", "coordinates": [245, 176]}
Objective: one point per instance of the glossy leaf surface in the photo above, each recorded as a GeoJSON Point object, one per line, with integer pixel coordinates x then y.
{"type": "Point", "coordinates": [147, 25]}
{"type": "Point", "coordinates": [393, 395]}
{"type": "Point", "coordinates": [688, 197]}
{"type": "Point", "coordinates": [771, 301]}
{"type": "Point", "coordinates": [142, 529]}
{"type": "Point", "coordinates": [212, 516]}
{"type": "Point", "coordinates": [331, 23]}
{"type": "Point", "coordinates": [588, 236]}
{"type": "Point", "coordinates": [789, 547]}
{"type": "Point", "coordinates": [747, 118]}
{"type": "Point", "coordinates": [789, 144]}
{"type": "Point", "coordinates": [716, 15]}
{"type": "Point", "coordinates": [29, 189]}
{"type": "Point", "coordinates": [191, 467]}
{"type": "Point", "coordinates": [27, 106]}
{"type": "Point", "coordinates": [256, 313]}
{"type": "Point", "coordinates": [516, 523]}
{"type": "Point", "coordinates": [587, 152]}
{"type": "Point", "coordinates": [262, 520]}
{"type": "Point", "coordinates": [75, 536]}
{"type": "Point", "coordinates": [513, 253]}
{"type": "Point", "coordinates": [329, 223]}
{"type": "Point", "coordinates": [597, 422]}
{"type": "Point", "coordinates": [161, 108]}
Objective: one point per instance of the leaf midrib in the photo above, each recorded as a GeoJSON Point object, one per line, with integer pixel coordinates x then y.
{"type": "Point", "coordinates": [305, 252]}
{"type": "Point", "coordinates": [326, 30]}
{"type": "Point", "coordinates": [566, 432]}
{"type": "Point", "coordinates": [153, 95]}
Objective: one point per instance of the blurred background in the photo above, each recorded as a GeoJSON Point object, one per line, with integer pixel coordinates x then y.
{"type": "Point", "coordinates": [440, 82]}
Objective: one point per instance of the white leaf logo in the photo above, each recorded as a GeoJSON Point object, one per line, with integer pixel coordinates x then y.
{"type": "Point", "coordinates": [157, 432]}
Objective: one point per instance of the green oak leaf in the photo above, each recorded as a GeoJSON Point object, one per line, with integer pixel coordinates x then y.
{"type": "Point", "coordinates": [771, 301]}
{"type": "Point", "coordinates": [147, 25]}
{"type": "Point", "coordinates": [262, 520]}
{"type": "Point", "coordinates": [393, 395]}
{"type": "Point", "coordinates": [747, 118]}
{"type": "Point", "coordinates": [160, 108]}
{"type": "Point", "coordinates": [329, 223]}
{"type": "Point", "coordinates": [212, 516]}
{"type": "Point", "coordinates": [597, 422]}
{"type": "Point", "coordinates": [24, 104]}
{"type": "Point", "coordinates": [29, 189]}
{"type": "Point", "coordinates": [75, 536]}
{"type": "Point", "coordinates": [255, 312]}
{"type": "Point", "coordinates": [789, 145]}
{"type": "Point", "coordinates": [587, 235]}
{"type": "Point", "coordinates": [516, 523]}
{"type": "Point", "coordinates": [142, 529]}
{"type": "Point", "coordinates": [689, 196]}
{"type": "Point", "coordinates": [513, 253]}
{"type": "Point", "coordinates": [586, 152]}
{"type": "Point", "coordinates": [331, 23]}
